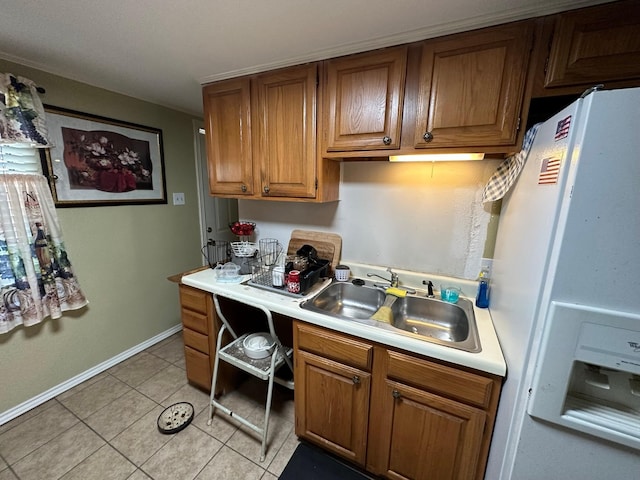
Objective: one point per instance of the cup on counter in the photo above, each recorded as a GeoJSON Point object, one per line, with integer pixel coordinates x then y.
{"type": "Point", "coordinates": [298, 262]}
{"type": "Point", "coordinates": [342, 273]}
{"type": "Point", "coordinates": [277, 277]}
{"type": "Point", "coordinates": [293, 281]}
{"type": "Point", "coordinates": [450, 294]}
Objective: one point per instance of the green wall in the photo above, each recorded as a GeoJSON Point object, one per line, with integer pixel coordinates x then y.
{"type": "Point", "coordinates": [121, 255]}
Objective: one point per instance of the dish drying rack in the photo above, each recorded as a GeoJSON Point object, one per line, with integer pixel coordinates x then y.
{"type": "Point", "coordinates": [262, 275]}
{"type": "Point", "coordinates": [269, 252]}
{"type": "Point", "coordinates": [261, 272]}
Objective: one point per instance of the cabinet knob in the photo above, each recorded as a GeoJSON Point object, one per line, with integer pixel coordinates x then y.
{"type": "Point", "coordinates": [243, 188]}
{"type": "Point", "coordinates": [266, 189]}
{"type": "Point", "coordinates": [386, 140]}
{"type": "Point", "coordinates": [395, 393]}
{"type": "Point", "coordinates": [428, 136]}
{"type": "Point", "coordinates": [356, 380]}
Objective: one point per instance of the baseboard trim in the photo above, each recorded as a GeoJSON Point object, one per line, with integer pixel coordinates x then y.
{"type": "Point", "coordinates": [78, 379]}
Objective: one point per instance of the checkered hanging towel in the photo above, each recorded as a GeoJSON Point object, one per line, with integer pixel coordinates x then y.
{"type": "Point", "coordinates": [508, 171]}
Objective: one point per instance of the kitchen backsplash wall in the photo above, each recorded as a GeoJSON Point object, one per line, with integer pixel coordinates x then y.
{"type": "Point", "coordinates": [425, 217]}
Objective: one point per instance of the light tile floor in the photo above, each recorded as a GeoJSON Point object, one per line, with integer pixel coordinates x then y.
{"type": "Point", "coordinates": [105, 428]}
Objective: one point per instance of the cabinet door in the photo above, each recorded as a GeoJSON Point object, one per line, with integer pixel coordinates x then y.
{"type": "Point", "coordinates": [472, 87]}
{"type": "Point", "coordinates": [595, 45]}
{"type": "Point", "coordinates": [284, 135]}
{"type": "Point", "coordinates": [332, 405]}
{"type": "Point", "coordinates": [427, 437]}
{"type": "Point", "coordinates": [227, 114]}
{"type": "Point", "coordinates": [364, 98]}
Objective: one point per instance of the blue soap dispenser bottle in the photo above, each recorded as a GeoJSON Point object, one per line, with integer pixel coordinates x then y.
{"type": "Point", "coordinates": [482, 298]}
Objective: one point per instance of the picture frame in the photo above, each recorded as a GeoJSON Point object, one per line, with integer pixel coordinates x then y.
{"type": "Point", "coordinates": [100, 161]}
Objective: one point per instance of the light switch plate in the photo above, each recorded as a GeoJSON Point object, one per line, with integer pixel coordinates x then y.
{"type": "Point", "coordinates": [178, 198]}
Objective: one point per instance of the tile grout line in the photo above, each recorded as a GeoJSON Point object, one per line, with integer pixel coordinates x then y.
{"type": "Point", "coordinates": [47, 442]}
{"type": "Point", "coordinates": [82, 421]}
{"type": "Point", "coordinates": [102, 438]}
{"type": "Point", "coordinates": [108, 442]}
{"type": "Point", "coordinates": [111, 373]}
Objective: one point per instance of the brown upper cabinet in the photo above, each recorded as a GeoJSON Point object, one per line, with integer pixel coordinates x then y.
{"type": "Point", "coordinates": [364, 95]}
{"type": "Point", "coordinates": [594, 45]}
{"type": "Point", "coordinates": [454, 92]}
{"type": "Point", "coordinates": [284, 133]}
{"type": "Point", "coordinates": [578, 49]}
{"type": "Point", "coordinates": [471, 88]}
{"type": "Point", "coordinates": [261, 138]}
{"type": "Point", "coordinates": [227, 114]}
{"type": "Point", "coordinates": [276, 135]}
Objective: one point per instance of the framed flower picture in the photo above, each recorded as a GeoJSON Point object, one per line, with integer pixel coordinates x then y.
{"type": "Point", "coordinates": [96, 161]}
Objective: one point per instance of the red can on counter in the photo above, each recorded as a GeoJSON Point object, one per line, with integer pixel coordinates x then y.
{"type": "Point", "coordinates": [293, 281]}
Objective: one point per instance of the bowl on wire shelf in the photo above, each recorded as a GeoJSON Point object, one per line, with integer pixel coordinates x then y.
{"type": "Point", "coordinates": [258, 345]}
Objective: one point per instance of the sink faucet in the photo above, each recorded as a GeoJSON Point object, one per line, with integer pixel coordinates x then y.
{"type": "Point", "coordinates": [429, 285]}
{"type": "Point", "coordinates": [393, 282]}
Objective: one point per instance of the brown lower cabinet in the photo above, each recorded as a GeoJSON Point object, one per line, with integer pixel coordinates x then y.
{"type": "Point", "coordinates": [332, 392]}
{"type": "Point", "coordinates": [200, 326]}
{"type": "Point", "coordinates": [395, 414]}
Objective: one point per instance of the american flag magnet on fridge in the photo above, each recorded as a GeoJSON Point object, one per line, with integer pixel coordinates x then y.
{"type": "Point", "coordinates": [562, 129]}
{"type": "Point", "coordinates": [549, 171]}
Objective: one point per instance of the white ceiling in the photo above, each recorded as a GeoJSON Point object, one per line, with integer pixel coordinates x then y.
{"type": "Point", "coordinates": [163, 51]}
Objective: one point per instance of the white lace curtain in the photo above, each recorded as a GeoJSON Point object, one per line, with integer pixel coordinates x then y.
{"type": "Point", "coordinates": [36, 276]}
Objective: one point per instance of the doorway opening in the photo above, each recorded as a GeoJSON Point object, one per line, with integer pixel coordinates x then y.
{"type": "Point", "coordinates": [215, 213]}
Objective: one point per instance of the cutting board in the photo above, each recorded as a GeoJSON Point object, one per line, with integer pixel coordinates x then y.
{"type": "Point", "coordinates": [328, 245]}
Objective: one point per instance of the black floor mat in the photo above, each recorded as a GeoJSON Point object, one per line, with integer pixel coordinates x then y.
{"type": "Point", "coordinates": [311, 463]}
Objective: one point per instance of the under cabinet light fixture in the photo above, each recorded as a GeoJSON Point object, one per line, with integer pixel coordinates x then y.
{"type": "Point", "coordinates": [437, 157]}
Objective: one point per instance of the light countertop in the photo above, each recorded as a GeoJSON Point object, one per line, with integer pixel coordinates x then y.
{"type": "Point", "coordinates": [489, 360]}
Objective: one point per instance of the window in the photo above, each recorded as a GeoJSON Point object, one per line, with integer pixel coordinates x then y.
{"type": "Point", "coordinates": [19, 158]}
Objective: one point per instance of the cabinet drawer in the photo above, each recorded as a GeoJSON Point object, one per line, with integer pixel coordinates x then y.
{"type": "Point", "coordinates": [460, 385]}
{"type": "Point", "coordinates": [193, 299]}
{"type": "Point", "coordinates": [334, 346]}
{"type": "Point", "coordinates": [195, 321]}
{"type": "Point", "coordinates": [196, 340]}
{"type": "Point", "coordinates": [198, 367]}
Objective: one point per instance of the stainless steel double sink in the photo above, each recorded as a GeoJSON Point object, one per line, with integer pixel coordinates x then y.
{"type": "Point", "coordinates": [416, 315]}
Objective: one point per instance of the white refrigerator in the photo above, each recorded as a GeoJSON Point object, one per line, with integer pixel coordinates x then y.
{"type": "Point", "coordinates": [565, 299]}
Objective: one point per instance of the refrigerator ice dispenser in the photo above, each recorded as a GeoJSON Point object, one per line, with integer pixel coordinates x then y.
{"type": "Point", "coordinates": [588, 376]}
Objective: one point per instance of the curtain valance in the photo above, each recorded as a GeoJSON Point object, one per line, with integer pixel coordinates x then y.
{"type": "Point", "coordinates": [21, 112]}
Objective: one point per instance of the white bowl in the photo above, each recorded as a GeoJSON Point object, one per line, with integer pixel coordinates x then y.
{"type": "Point", "coordinates": [258, 345]}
